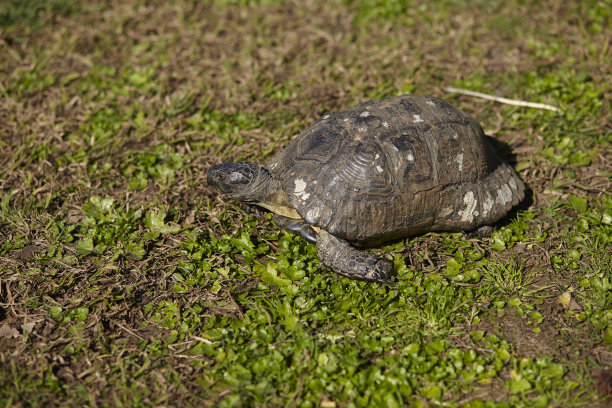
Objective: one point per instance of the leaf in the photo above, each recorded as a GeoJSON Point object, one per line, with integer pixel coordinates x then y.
{"type": "Point", "coordinates": [135, 252]}
{"type": "Point", "coordinates": [96, 206]}
{"type": "Point", "coordinates": [28, 327]}
{"type": "Point", "coordinates": [433, 391]}
{"type": "Point", "coordinates": [498, 243]}
{"type": "Point", "coordinates": [81, 313]}
{"type": "Point", "coordinates": [515, 302]}
{"type": "Point", "coordinates": [8, 332]}
{"type": "Point", "coordinates": [295, 273]}
{"type": "Point", "coordinates": [565, 298]}
{"type": "Point", "coordinates": [518, 385]}
{"type": "Point", "coordinates": [435, 346]}
{"type": "Point", "coordinates": [453, 267]}
{"type": "Point", "coordinates": [291, 322]}
{"type": "Point", "coordinates": [579, 203]}
{"type": "Point", "coordinates": [608, 336]}
{"type": "Point", "coordinates": [580, 159]}
{"type": "Point", "coordinates": [243, 243]}
{"type": "Point", "coordinates": [155, 222]}
{"type": "Point", "coordinates": [607, 217]}
{"type": "Point", "coordinates": [477, 335]}
{"type": "Point", "coordinates": [270, 276]}
{"type": "Point", "coordinates": [554, 370]}
{"type": "Point", "coordinates": [502, 354]}
{"type": "Point", "coordinates": [54, 311]}
{"type": "Point", "coordinates": [85, 246]}
{"type": "Point", "coordinates": [412, 349]}
{"type": "Point", "coordinates": [139, 181]}
{"type": "Point", "coordinates": [150, 236]}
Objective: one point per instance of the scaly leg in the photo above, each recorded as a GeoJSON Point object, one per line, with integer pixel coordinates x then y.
{"type": "Point", "coordinates": [342, 258]}
{"type": "Point", "coordinates": [296, 226]}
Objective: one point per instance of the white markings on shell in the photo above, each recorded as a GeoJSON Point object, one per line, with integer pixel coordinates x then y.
{"type": "Point", "coordinates": [299, 190]}
{"type": "Point", "coordinates": [504, 195]}
{"type": "Point", "coordinates": [430, 103]}
{"type": "Point", "coordinates": [454, 133]}
{"type": "Point", "coordinates": [378, 168]}
{"type": "Point", "coordinates": [313, 214]}
{"type": "Point", "coordinates": [320, 214]}
{"type": "Point", "coordinates": [274, 165]}
{"type": "Point", "coordinates": [364, 114]}
{"type": "Point", "coordinates": [300, 185]}
{"type": "Point", "coordinates": [345, 120]}
{"type": "Point", "coordinates": [507, 192]}
{"type": "Point", "coordinates": [386, 124]}
{"type": "Point", "coordinates": [446, 212]}
{"type": "Point", "coordinates": [326, 117]}
{"type": "Point", "coordinates": [459, 160]}
{"type": "Point", "coordinates": [512, 184]}
{"type": "Point", "coordinates": [487, 204]}
{"type": "Point", "coordinates": [410, 157]}
{"type": "Point", "coordinates": [417, 118]}
{"type": "Point", "coordinates": [361, 129]}
{"type": "Point", "coordinates": [467, 214]}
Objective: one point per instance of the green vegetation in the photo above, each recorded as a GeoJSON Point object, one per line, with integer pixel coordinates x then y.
{"type": "Point", "coordinates": [126, 281]}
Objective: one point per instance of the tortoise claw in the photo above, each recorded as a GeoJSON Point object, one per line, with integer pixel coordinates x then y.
{"type": "Point", "coordinates": [296, 226]}
{"type": "Point", "coordinates": [252, 209]}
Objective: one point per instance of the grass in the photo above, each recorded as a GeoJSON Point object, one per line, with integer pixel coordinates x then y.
{"type": "Point", "coordinates": [126, 281]}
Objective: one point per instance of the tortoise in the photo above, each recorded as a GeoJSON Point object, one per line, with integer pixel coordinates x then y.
{"type": "Point", "coordinates": [379, 171]}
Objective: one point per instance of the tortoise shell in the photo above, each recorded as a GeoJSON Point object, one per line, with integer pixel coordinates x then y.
{"type": "Point", "coordinates": [395, 167]}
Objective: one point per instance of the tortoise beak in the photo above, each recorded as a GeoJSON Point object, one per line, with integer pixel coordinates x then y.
{"type": "Point", "coordinates": [216, 176]}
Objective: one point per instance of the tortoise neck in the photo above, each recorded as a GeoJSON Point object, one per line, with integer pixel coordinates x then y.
{"type": "Point", "coordinates": [268, 190]}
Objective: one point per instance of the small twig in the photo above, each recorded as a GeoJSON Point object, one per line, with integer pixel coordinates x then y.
{"type": "Point", "coordinates": [482, 350]}
{"type": "Point", "coordinates": [173, 346]}
{"type": "Point", "coordinates": [503, 100]}
{"type": "Point", "coordinates": [184, 356]}
{"type": "Point", "coordinates": [202, 339]}
{"type": "Point", "coordinates": [9, 296]}
{"type": "Point", "coordinates": [129, 331]}
{"type": "Point", "coordinates": [235, 304]}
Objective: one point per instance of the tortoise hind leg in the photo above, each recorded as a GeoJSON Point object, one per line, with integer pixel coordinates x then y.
{"type": "Point", "coordinates": [481, 233]}
{"type": "Point", "coordinates": [339, 256]}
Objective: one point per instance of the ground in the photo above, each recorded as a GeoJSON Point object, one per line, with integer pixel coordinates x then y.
{"type": "Point", "coordinates": [126, 281]}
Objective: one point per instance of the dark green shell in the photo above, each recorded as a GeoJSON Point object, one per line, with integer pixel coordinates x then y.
{"type": "Point", "coordinates": [395, 167]}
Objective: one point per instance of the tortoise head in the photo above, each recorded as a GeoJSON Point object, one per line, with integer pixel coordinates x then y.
{"type": "Point", "coordinates": [238, 180]}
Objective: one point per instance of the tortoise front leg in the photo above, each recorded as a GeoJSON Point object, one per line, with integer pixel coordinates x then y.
{"type": "Point", "coordinates": [297, 226]}
{"type": "Point", "coordinates": [342, 258]}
